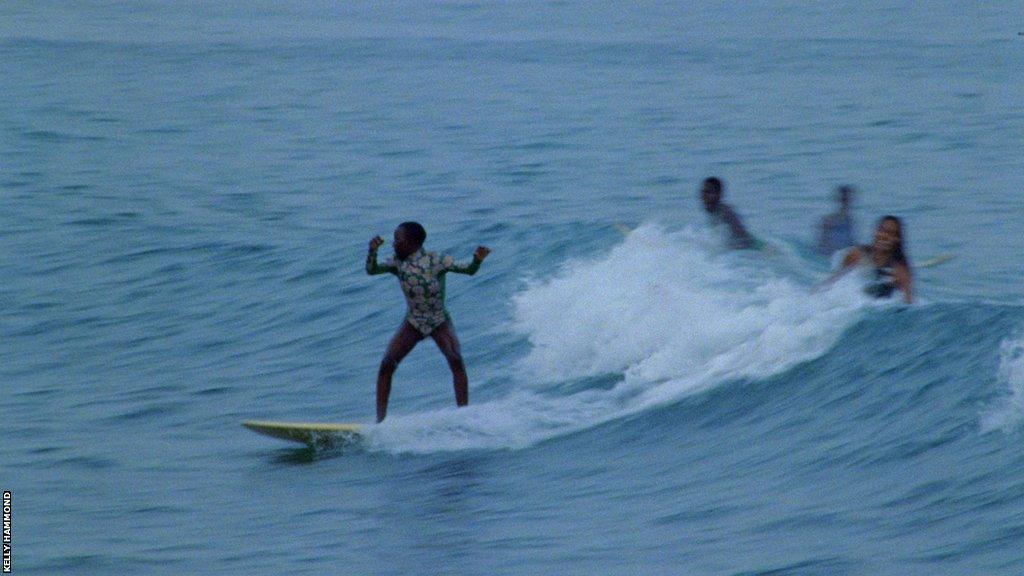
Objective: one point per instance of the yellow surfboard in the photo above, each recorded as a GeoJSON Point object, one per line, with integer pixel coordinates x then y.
{"type": "Point", "coordinates": [317, 435]}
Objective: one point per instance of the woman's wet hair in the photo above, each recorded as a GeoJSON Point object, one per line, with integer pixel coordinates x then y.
{"type": "Point", "coordinates": [899, 253]}
{"type": "Point", "coordinates": [417, 234]}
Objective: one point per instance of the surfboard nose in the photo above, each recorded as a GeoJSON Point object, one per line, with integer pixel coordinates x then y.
{"type": "Point", "coordinates": [313, 434]}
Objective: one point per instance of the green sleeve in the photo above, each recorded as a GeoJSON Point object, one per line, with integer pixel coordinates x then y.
{"type": "Point", "coordinates": [448, 264]}
{"type": "Point", "coordinates": [372, 267]}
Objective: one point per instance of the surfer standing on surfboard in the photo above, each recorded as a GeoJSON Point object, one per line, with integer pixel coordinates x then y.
{"type": "Point", "coordinates": [422, 276]}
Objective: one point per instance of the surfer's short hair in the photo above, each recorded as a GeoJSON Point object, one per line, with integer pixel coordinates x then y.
{"type": "Point", "coordinates": [714, 183]}
{"type": "Point", "coordinates": [845, 193]}
{"type": "Point", "coordinates": [416, 232]}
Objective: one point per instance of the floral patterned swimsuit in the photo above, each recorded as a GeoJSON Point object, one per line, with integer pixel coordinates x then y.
{"type": "Point", "coordinates": [422, 277]}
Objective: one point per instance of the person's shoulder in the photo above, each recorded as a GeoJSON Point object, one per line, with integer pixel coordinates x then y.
{"type": "Point", "coordinates": [436, 259]}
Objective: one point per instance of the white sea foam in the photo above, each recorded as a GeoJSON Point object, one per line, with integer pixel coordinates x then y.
{"type": "Point", "coordinates": [1008, 414]}
{"type": "Point", "coordinates": [667, 314]}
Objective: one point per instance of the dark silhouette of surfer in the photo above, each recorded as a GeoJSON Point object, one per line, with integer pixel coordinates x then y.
{"type": "Point", "coordinates": [422, 277]}
{"type": "Point", "coordinates": [722, 214]}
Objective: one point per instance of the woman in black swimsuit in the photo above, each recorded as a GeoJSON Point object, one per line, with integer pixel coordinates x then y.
{"type": "Point", "coordinates": [890, 266]}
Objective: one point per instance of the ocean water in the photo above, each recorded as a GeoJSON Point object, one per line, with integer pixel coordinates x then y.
{"type": "Point", "coordinates": [188, 189]}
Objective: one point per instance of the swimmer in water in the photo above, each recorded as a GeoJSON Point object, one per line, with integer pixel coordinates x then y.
{"type": "Point", "coordinates": [885, 262]}
{"type": "Point", "coordinates": [836, 231]}
{"type": "Point", "coordinates": [711, 192]}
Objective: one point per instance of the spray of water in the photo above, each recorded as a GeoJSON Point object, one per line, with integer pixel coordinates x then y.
{"type": "Point", "coordinates": [1009, 412]}
{"type": "Point", "coordinates": [663, 315]}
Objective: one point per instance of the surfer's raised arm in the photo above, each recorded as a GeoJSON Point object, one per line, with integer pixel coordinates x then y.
{"type": "Point", "coordinates": [449, 264]}
{"type": "Point", "coordinates": [372, 267]}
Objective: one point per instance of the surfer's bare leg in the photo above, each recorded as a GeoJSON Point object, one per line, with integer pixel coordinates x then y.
{"type": "Point", "coordinates": [448, 342]}
{"type": "Point", "coordinates": [401, 344]}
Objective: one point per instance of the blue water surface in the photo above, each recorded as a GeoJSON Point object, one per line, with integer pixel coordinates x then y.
{"type": "Point", "coordinates": [188, 189]}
